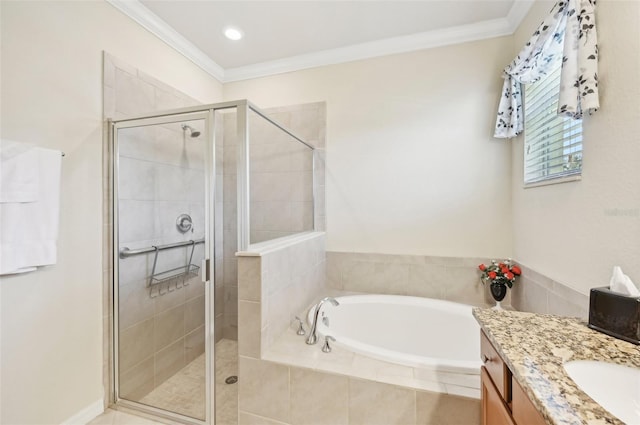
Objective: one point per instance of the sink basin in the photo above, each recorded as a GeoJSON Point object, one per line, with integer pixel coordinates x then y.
{"type": "Point", "coordinates": [614, 387]}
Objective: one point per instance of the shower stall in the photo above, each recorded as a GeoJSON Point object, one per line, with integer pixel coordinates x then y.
{"type": "Point", "coordinates": [189, 188]}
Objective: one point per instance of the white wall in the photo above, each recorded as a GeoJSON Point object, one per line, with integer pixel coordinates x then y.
{"type": "Point", "coordinates": [51, 354]}
{"type": "Point", "coordinates": [576, 232]}
{"type": "Point", "coordinates": [411, 164]}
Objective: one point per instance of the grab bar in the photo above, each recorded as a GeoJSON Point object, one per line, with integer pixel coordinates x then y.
{"type": "Point", "coordinates": [126, 252]}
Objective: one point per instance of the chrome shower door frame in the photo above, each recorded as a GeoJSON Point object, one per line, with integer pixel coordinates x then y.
{"type": "Point", "coordinates": [207, 112]}
{"type": "Point", "coordinates": [208, 265]}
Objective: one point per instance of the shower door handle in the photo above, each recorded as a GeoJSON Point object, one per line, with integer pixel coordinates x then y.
{"type": "Point", "coordinates": [205, 270]}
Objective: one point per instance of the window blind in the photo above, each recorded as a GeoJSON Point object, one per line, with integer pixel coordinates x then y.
{"type": "Point", "coordinates": [553, 143]}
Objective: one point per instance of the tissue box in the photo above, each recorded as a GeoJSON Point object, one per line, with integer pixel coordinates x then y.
{"type": "Point", "coordinates": [615, 314]}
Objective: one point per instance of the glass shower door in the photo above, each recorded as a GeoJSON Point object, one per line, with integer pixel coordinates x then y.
{"type": "Point", "coordinates": [163, 193]}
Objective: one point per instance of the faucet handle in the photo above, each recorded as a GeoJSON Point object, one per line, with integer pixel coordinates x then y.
{"type": "Point", "coordinates": [301, 330]}
{"type": "Point", "coordinates": [326, 348]}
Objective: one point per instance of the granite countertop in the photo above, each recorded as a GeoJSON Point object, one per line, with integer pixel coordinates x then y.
{"type": "Point", "coordinates": [535, 346]}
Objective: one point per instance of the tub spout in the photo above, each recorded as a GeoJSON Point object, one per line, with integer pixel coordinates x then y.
{"type": "Point", "coordinates": [313, 338]}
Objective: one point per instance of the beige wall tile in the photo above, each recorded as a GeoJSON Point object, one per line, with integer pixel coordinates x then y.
{"type": "Point", "coordinates": [373, 403]}
{"type": "Point", "coordinates": [168, 361]}
{"type": "Point", "coordinates": [193, 287]}
{"type": "Point", "coordinates": [169, 300]}
{"type": "Point", "coordinates": [249, 274]}
{"type": "Point", "coordinates": [535, 298]}
{"type": "Point", "coordinates": [463, 285]}
{"type": "Point", "coordinates": [134, 304]}
{"type": "Point", "coordinates": [249, 332]}
{"type": "Point", "coordinates": [133, 96]}
{"type": "Point", "coordinates": [136, 344]}
{"type": "Point", "coordinates": [427, 280]}
{"type": "Point", "coordinates": [444, 409]}
{"type": "Point", "coordinates": [381, 278]}
{"type": "Point", "coordinates": [245, 418]}
{"type": "Point", "coordinates": [564, 307]}
{"type": "Point", "coordinates": [194, 344]}
{"type": "Point", "coordinates": [219, 298]}
{"type": "Point", "coordinates": [318, 398]}
{"type": "Point", "coordinates": [264, 388]}
{"type": "Point", "coordinates": [194, 314]}
{"type": "Point", "coordinates": [336, 262]}
{"type": "Point", "coordinates": [169, 327]}
{"type": "Point", "coordinates": [231, 300]}
{"type": "Point", "coordinates": [138, 381]}
{"type": "Point", "coordinates": [230, 330]}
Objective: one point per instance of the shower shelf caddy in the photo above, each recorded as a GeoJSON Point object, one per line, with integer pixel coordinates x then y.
{"type": "Point", "coordinates": [189, 269]}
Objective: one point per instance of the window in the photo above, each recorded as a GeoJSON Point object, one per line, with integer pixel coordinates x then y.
{"type": "Point", "coordinates": [553, 143]}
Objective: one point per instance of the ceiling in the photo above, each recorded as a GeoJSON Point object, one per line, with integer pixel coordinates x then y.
{"type": "Point", "coordinates": [281, 36]}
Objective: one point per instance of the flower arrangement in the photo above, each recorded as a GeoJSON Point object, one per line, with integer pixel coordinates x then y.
{"type": "Point", "coordinates": [503, 273]}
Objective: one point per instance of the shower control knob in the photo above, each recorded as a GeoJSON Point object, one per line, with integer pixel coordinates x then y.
{"type": "Point", "coordinates": [184, 223]}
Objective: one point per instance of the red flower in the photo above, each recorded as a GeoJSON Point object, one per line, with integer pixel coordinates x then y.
{"type": "Point", "coordinates": [509, 275]}
{"type": "Point", "coordinates": [516, 270]}
{"type": "Point", "coordinates": [482, 267]}
{"type": "Point", "coordinates": [504, 270]}
{"type": "Point", "coordinates": [501, 265]}
{"type": "Point", "coordinates": [492, 275]}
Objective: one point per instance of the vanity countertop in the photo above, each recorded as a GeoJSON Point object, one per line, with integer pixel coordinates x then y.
{"type": "Point", "coordinates": [535, 346]}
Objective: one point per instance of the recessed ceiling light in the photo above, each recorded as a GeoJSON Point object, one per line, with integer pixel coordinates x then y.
{"type": "Point", "coordinates": [233, 33]}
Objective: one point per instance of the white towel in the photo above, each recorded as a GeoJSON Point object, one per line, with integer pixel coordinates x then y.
{"type": "Point", "coordinates": [18, 172]}
{"type": "Point", "coordinates": [29, 230]}
{"type": "Point", "coordinates": [622, 284]}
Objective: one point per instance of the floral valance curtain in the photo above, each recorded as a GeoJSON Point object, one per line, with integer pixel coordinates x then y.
{"type": "Point", "coordinates": [567, 34]}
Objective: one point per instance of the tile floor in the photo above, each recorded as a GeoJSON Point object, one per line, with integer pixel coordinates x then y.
{"type": "Point", "coordinates": [184, 392]}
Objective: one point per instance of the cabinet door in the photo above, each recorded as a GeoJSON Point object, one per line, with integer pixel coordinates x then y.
{"type": "Point", "coordinates": [524, 412]}
{"type": "Point", "coordinates": [496, 368]}
{"type": "Point", "coordinates": [494, 411]}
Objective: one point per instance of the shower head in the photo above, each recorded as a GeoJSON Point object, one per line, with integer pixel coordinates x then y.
{"type": "Point", "coordinates": [192, 132]}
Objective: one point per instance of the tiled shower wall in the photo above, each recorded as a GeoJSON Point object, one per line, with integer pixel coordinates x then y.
{"type": "Point", "coordinates": [162, 326]}
{"type": "Point", "coordinates": [281, 190]}
{"type": "Point", "coordinates": [281, 179]}
{"type": "Point", "coordinates": [159, 333]}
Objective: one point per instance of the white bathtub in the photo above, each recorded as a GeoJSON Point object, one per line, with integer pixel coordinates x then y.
{"type": "Point", "coordinates": [422, 333]}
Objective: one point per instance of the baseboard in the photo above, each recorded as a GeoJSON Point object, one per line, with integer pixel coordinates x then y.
{"type": "Point", "coordinates": [87, 414]}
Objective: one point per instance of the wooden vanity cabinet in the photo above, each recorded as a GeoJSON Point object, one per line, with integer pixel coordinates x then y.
{"type": "Point", "coordinates": [503, 401]}
{"type": "Point", "coordinates": [494, 410]}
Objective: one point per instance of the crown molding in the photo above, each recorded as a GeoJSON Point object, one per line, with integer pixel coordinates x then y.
{"type": "Point", "coordinates": [447, 36]}
{"type": "Point", "coordinates": [443, 37]}
{"type": "Point", "coordinates": [518, 11]}
{"type": "Point", "coordinates": [150, 21]}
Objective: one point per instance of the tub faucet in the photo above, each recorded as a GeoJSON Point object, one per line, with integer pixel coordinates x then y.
{"type": "Point", "coordinates": [313, 338]}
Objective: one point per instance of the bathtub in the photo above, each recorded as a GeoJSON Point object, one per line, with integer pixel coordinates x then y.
{"type": "Point", "coordinates": [422, 333]}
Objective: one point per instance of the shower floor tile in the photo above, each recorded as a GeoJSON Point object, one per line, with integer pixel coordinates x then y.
{"type": "Point", "coordinates": [184, 392]}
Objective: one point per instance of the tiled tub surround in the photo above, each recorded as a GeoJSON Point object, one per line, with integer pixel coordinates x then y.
{"type": "Point", "coordinates": [537, 293]}
{"type": "Point", "coordinates": [448, 278]}
{"type": "Point", "coordinates": [535, 347]}
{"type": "Point", "coordinates": [276, 283]}
{"type": "Point", "coordinates": [285, 381]}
